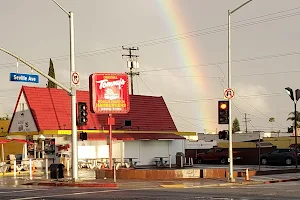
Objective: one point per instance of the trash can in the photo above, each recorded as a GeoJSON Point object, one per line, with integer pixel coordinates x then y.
{"type": "Point", "coordinates": [179, 159]}
{"type": "Point", "coordinates": [56, 171]}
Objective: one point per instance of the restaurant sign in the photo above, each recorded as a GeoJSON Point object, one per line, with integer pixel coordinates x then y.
{"type": "Point", "coordinates": [109, 93]}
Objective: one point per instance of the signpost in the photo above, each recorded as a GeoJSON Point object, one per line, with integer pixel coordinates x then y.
{"type": "Point", "coordinates": [109, 94]}
{"type": "Point", "coordinates": [28, 78]}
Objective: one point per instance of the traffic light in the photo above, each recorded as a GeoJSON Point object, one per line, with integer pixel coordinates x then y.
{"type": "Point", "coordinates": [82, 113]}
{"type": "Point", "coordinates": [223, 112]}
{"type": "Point", "coordinates": [223, 135]}
{"type": "Point", "coordinates": [83, 136]}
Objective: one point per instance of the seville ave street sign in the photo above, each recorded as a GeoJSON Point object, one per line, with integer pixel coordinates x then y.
{"type": "Point", "coordinates": [28, 78]}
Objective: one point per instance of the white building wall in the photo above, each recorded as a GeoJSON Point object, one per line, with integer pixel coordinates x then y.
{"type": "Point", "coordinates": [146, 150]}
{"type": "Point", "coordinates": [23, 120]}
{"type": "Point", "coordinates": [98, 149]}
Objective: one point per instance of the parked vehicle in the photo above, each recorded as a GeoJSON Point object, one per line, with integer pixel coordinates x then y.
{"type": "Point", "coordinates": [215, 154]}
{"type": "Point", "coordinates": [286, 156]}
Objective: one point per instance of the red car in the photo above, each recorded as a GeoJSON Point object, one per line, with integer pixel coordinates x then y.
{"type": "Point", "coordinates": [215, 154]}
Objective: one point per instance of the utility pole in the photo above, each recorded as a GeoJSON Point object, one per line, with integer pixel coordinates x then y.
{"type": "Point", "coordinates": [246, 120]}
{"type": "Point", "coordinates": [132, 63]}
{"type": "Point", "coordinates": [230, 12]}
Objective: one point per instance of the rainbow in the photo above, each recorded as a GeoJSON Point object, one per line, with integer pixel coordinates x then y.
{"type": "Point", "coordinates": [188, 55]}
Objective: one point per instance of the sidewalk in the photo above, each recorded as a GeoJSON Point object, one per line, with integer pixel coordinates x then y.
{"type": "Point", "coordinates": [90, 181]}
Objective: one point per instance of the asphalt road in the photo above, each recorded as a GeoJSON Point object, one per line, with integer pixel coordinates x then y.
{"type": "Point", "coordinates": [288, 190]}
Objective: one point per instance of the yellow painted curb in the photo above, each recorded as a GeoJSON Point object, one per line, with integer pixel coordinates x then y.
{"type": "Point", "coordinates": [173, 186]}
{"type": "Point", "coordinates": [20, 173]}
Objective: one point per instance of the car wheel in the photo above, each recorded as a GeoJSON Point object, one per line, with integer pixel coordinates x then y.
{"type": "Point", "coordinates": [200, 161]}
{"type": "Point", "coordinates": [223, 160]}
{"type": "Point", "coordinates": [264, 161]}
{"type": "Point", "coordinates": [288, 161]}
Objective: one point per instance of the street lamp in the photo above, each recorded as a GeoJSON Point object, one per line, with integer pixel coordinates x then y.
{"type": "Point", "coordinates": [73, 95]}
{"type": "Point", "coordinates": [229, 86]}
{"type": "Point", "coordinates": [291, 94]}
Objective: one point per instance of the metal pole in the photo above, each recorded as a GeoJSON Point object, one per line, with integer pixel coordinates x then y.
{"type": "Point", "coordinates": [3, 159]}
{"type": "Point", "coordinates": [296, 142]}
{"type": "Point", "coordinates": [231, 179]}
{"type": "Point", "coordinates": [259, 152]}
{"type": "Point", "coordinates": [36, 69]}
{"type": "Point", "coordinates": [46, 168]}
{"type": "Point", "coordinates": [15, 168]}
{"type": "Point", "coordinates": [110, 144]}
{"type": "Point", "coordinates": [30, 169]}
{"type": "Point", "coordinates": [115, 175]}
{"type": "Point", "coordinates": [73, 101]}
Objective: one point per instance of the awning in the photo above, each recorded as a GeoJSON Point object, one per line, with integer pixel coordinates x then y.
{"type": "Point", "coordinates": [22, 141]}
{"type": "Point", "coordinates": [4, 141]}
{"type": "Point", "coordinates": [134, 136]}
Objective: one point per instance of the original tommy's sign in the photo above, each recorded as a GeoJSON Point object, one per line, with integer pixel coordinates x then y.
{"type": "Point", "coordinates": [109, 93]}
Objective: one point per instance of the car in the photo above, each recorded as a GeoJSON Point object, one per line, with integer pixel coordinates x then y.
{"type": "Point", "coordinates": [286, 156]}
{"type": "Point", "coordinates": [216, 154]}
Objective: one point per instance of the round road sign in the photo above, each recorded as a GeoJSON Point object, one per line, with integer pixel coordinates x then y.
{"type": "Point", "coordinates": [75, 78]}
{"type": "Point", "coordinates": [228, 93]}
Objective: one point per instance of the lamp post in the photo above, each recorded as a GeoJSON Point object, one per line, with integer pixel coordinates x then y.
{"type": "Point", "coordinates": [231, 179]}
{"type": "Point", "coordinates": [73, 95]}
{"type": "Point", "coordinates": [291, 94]}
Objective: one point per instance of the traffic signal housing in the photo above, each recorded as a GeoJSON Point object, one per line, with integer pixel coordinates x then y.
{"type": "Point", "coordinates": [83, 136]}
{"type": "Point", "coordinates": [82, 113]}
{"type": "Point", "coordinates": [223, 112]}
{"type": "Point", "coordinates": [223, 135]}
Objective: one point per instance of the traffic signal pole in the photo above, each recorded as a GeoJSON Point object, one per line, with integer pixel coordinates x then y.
{"type": "Point", "coordinates": [231, 179]}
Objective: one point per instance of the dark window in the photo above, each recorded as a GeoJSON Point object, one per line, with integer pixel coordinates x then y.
{"type": "Point", "coordinates": [127, 123]}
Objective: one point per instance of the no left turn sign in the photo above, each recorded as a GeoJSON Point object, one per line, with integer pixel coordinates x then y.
{"type": "Point", "coordinates": [228, 93]}
{"type": "Point", "coordinates": [75, 78]}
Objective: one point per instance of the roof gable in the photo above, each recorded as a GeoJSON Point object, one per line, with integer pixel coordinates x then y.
{"type": "Point", "coordinates": [51, 110]}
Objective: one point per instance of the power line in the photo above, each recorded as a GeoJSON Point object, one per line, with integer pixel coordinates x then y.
{"type": "Point", "coordinates": [181, 36]}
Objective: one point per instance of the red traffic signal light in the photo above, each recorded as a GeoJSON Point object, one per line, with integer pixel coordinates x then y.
{"type": "Point", "coordinates": [223, 112]}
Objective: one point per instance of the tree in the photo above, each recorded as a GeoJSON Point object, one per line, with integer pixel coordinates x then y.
{"type": "Point", "coordinates": [292, 118]}
{"type": "Point", "coordinates": [235, 125]}
{"type": "Point", "coordinates": [52, 74]}
{"type": "Point", "coordinates": [272, 120]}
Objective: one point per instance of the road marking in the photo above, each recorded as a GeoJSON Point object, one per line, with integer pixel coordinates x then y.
{"type": "Point", "coordinates": [15, 191]}
{"type": "Point", "coordinates": [82, 193]}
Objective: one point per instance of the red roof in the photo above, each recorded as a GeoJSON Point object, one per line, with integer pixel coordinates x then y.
{"type": "Point", "coordinates": [135, 136]}
{"type": "Point", "coordinates": [51, 110]}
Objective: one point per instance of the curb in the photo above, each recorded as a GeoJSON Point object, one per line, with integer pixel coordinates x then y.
{"type": "Point", "coordinates": [282, 180]}
{"type": "Point", "coordinates": [9, 174]}
{"type": "Point", "coordinates": [95, 185]}
{"type": "Point", "coordinates": [174, 186]}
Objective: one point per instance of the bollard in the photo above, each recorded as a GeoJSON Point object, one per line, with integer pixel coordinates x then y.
{"type": "Point", "coordinates": [247, 178]}
{"type": "Point", "coordinates": [115, 176]}
{"type": "Point", "coordinates": [192, 161]}
{"type": "Point", "coordinates": [170, 161]}
{"type": "Point", "coordinates": [15, 168]}
{"type": "Point", "coordinates": [189, 161]}
{"type": "Point", "coordinates": [181, 163]}
{"type": "Point", "coordinates": [68, 165]}
{"type": "Point", "coordinates": [46, 168]}
{"type": "Point", "coordinates": [30, 169]}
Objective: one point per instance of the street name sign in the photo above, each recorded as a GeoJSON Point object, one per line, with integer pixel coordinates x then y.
{"type": "Point", "coordinates": [28, 78]}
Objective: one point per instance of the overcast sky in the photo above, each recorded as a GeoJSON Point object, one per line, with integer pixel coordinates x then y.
{"type": "Point", "coordinates": [182, 49]}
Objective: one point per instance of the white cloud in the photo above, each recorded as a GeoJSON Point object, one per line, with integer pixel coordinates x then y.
{"type": "Point", "coordinates": [250, 96]}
